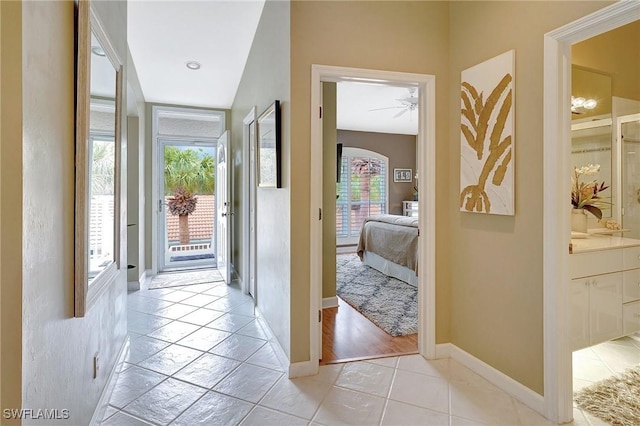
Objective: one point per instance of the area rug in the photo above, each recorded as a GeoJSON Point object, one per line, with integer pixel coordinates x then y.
{"type": "Point", "coordinates": [389, 303]}
{"type": "Point", "coordinates": [615, 400]}
{"type": "Point", "coordinates": [175, 279]}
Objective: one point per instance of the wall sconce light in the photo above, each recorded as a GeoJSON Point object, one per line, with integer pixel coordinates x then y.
{"type": "Point", "coordinates": [581, 102]}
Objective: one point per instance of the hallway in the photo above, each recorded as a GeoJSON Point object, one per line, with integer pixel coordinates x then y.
{"type": "Point", "coordinates": [198, 356]}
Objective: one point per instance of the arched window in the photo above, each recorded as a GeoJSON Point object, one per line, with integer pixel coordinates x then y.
{"type": "Point", "coordinates": [362, 191]}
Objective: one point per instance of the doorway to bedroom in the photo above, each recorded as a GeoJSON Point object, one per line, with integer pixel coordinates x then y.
{"type": "Point", "coordinates": [370, 171]}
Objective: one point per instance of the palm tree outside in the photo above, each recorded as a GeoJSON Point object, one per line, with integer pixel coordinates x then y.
{"type": "Point", "coordinates": [187, 173]}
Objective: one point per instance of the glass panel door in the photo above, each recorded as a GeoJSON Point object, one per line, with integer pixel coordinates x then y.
{"type": "Point", "coordinates": [630, 132]}
{"type": "Point", "coordinates": [187, 204]}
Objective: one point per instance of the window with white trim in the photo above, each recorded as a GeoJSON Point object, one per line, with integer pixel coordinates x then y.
{"type": "Point", "coordinates": [362, 191]}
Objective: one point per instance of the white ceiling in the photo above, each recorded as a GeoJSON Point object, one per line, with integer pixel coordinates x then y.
{"type": "Point", "coordinates": [357, 100]}
{"type": "Point", "coordinates": [165, 35]}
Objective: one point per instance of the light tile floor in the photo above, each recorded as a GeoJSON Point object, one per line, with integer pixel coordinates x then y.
{"type": "Point", "coordinates": [602, 361]}
{"type": "Point", "coordinates": [198, 356]}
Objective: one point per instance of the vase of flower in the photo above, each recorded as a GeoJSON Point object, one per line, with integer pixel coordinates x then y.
{"type": "Point", "coordinates": [586, 197]}
{"type": "Point", "coordinates": [579, 220]}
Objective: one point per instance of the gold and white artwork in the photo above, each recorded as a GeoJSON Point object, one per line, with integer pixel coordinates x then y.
{"type": "Point", "coordinates": [487, 136]}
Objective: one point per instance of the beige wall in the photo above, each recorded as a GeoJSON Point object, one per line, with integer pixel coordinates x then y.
{"type": "Point", "coordinates": [401, 151]}
{"type": "Point", "coordinates": [329, 161]}
{"type": "Point", "coordinates": [10, 205]}
{"type": "Point", "coordinates": [59, 349]}
{"type": "Point", "coordinates": [265, 79]}
{"type": "Point", "coordinates": [496, 261]}
{"type": "Point", "coordinates": [616, 53]}
{"type": "Point", "coordinates": [395, 36]}
{"type": "Point", "coordinates": [488, 268]}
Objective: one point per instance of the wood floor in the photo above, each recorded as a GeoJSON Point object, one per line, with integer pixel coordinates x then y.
{"type": "Point", "coordinates": [347, 336]}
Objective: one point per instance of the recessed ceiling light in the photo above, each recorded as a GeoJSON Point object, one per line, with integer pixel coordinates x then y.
{"type": "Point", "coordinates": [193, 65]}
{"type": "Point", "coordinates": [97, 50]}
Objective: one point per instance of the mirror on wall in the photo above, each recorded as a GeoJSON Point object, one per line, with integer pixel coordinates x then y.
{"type": "Point", "coordinates": [97, 160]}
{"type": "Point", "coordinates": [591, 128]}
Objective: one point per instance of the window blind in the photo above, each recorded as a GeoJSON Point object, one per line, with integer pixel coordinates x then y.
{"type": "Point", "coordinates": [361, 192]}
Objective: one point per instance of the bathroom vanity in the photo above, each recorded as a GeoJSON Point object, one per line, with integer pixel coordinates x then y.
{"type": "Point", "coordinates": [605, 289]}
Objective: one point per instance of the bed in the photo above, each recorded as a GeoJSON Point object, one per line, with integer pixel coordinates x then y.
{"type": "Point", "coordinates": [389, 243]}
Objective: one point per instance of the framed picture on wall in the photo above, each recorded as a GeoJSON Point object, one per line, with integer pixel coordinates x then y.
{"type": "Point", "coordinates": [402, 175]}
{"type": "Point", "coordinates": [269, 147]}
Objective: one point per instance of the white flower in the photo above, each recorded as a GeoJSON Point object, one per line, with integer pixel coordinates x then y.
{"type": "Point", "coordinates": [591, 169]}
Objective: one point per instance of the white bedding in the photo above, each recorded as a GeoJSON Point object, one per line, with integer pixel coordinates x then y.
{"type": "Point", "coordinates": [389, 268]}
{"type": "Point", "coordinates": [389, 243]}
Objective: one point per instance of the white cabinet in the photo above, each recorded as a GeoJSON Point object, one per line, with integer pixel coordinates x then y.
{"type": "Point", "coordinates": [605, 307]}
{"type": "Point", "coordinates": [596, 309]}
{"type": "Point", "coordinates": [579, 318]}
{"type": "Point", "coordinates": [410, 208]}
{"type": "Point", "coordinates": [630, 317]}
{"type": "Point", "coordinates": [605, 295]}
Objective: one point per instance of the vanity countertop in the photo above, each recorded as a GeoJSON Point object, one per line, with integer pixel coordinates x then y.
{"type": "Point", "coordinates": [601, 242]}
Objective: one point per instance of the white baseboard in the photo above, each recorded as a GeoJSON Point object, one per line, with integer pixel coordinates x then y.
{"type": "Point", "coordinates": [283, 359]}
{"type": "Point", "coordinates": [443, 350]}
{"type": "Point", "coordinates": [330, 302]}
{"type": "Point", "coordinates": [103, 402]}
{"type": "Point", "coordinates": [517, 390]}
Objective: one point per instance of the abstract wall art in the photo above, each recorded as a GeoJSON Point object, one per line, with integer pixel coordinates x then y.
{"type": "Point", "coordinates": [487, 136]}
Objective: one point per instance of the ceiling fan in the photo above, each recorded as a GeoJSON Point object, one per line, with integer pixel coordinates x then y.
{"type": "Point", "coordinates": [409, 103]}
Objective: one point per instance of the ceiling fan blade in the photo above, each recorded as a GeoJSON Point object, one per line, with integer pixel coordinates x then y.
{"type": "Point", "coordinates": [401, 112]}
{"type": "Point", "coordinates": [411, 101]}
{"type": "Point", "coordinates": [393, 107]}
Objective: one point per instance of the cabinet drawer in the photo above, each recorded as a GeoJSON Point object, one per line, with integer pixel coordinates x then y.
{"type": "Point", "coordinates": [631, 258]}
{"type": "Point", "coordinates": [631, 282]}
{"type": "Point", "coordinates": [631, 317]}
{"type": "Point", "coordinates": [595, 263]}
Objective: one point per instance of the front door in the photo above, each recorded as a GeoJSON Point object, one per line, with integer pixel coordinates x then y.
{"type": "Point", "coordinates": [224, 213]}
{"type": "Point", "coordinates": [186, 204]}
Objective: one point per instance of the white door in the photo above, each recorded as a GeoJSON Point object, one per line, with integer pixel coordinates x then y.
{"type": "Point", "coordinates": [223, 208]}
{"type": "Point", "coordinates": [252, 210]}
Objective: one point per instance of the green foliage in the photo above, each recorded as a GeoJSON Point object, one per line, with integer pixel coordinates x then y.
{"type": "Point", "coordinates": [189, 169]}
{"type": "Point", "coordinates": [102, 168]}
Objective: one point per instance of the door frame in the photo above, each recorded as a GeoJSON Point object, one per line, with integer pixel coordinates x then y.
{"type": "Point", "coordinates": [249, 195]}
{"type": "Point", "coordinates": [161, 228]}
{"type": "Point", "coordinates": [426, 148]}
{"type": "Point", "coordinates": [558, 392]}
{"type": "Point", "coordinates": [152, 209]}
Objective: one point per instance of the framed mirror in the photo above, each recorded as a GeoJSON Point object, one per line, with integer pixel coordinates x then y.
{"type": "Point", "coordinates": [591, 131]}
{"type": "Point", "coordinates": [269, 147]}
{"type": "Point", "coordinates": [97, 161]}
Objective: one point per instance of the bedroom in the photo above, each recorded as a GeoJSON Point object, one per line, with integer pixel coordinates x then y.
{"type": "Point", "coordinates": [373, 173]}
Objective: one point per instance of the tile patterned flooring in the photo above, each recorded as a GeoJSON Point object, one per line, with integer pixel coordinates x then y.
{"type": "Point", "coordinates": [198, 356]}
{"type": "Point", "coordinates": [602, 361]}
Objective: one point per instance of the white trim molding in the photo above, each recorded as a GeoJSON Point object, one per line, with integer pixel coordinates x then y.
{"type": "Point", "coordinates": [246, 192]}
{"type": "Point", "coordinates": [443, 350]}
{"type": "Point", "coordinates": [426, 143]}
{"type": "Point", "coordinates": [558, 395]}
{"type": "Point", "coordinates": [330, 302]}
{"type": "Point", "coordinates": [516, 389]}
